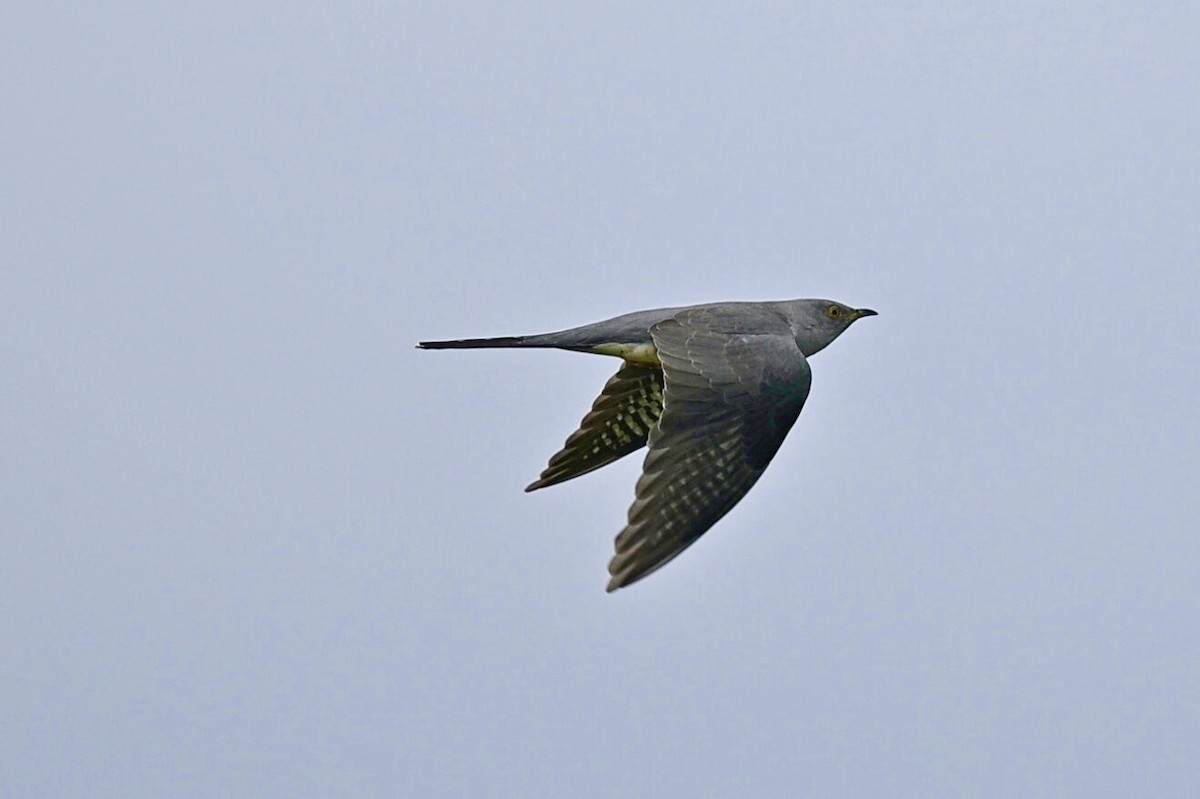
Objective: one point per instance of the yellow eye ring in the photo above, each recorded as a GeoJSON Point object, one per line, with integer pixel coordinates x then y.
{"type": "Point", "coordinates": [833, 311]}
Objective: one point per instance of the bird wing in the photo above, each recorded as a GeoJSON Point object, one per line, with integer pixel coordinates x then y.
{"type": "Point", "coordinates": [618, 424]}
{"type": "Point", "coordinates": [735, 383]}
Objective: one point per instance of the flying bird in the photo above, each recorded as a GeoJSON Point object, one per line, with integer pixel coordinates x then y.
{"type": "Point", "coordinates": [712, 389]}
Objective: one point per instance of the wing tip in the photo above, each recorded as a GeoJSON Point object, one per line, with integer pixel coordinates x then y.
{"type": "Point", "coordinates": [625, 570]}
{"type": "Point", "coordinates": [618, 579]}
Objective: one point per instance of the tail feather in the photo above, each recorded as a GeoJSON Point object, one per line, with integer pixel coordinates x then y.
{"type": "Point", "coordinates": [479, 343]}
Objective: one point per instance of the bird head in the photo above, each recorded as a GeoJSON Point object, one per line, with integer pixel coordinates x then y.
{"type": "Point", "coordinates": [816, 323]}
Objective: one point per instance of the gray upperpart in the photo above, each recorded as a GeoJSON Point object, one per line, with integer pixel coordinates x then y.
{"type": "Point", "coordinates": [814, 323]}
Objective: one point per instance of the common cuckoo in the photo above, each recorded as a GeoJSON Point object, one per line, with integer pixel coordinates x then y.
{"type": "Point", "coordinates": [712, 389]}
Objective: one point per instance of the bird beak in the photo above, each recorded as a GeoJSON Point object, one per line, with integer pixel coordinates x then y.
{"type": "Point", "coordinates": [861, 312]}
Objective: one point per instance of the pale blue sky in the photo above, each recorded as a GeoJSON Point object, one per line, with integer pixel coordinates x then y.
{"type": "Point", "coordinates": [257, 545]}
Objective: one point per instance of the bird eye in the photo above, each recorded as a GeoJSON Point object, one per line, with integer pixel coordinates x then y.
{"type": "Point", "coordinates": [833, 311]}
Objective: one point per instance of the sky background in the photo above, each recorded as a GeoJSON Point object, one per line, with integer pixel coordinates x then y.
{"type": "Point", "coordinates": [256, 544]}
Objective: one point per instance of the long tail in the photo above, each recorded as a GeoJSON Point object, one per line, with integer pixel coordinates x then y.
{"type": "Point", "coordinates": [480, 343]}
